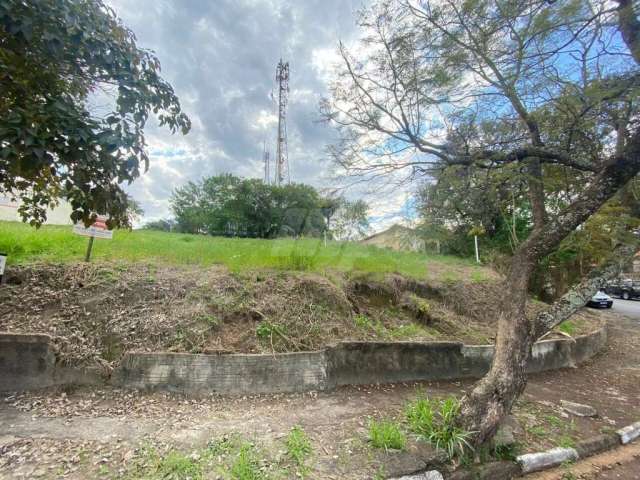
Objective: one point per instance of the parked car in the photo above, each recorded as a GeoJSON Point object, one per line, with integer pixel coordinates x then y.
{"type": "Point", "coordinates": [625, 289]}
{"type": "Point", "coordinates": [600, 300]}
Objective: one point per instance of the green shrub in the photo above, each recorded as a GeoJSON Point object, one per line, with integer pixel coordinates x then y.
{"type": "Point", "coordinates": [386, 434]}
{"type": "Point", "coordinates": [435, 422]}
{"type": "Point", "coordinates": [362, 321]}
{"type": "Point", "coordinates": [267, 330]}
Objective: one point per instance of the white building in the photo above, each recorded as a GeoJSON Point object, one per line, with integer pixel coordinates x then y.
{"type": "Point", "coordinates": [56, 216]}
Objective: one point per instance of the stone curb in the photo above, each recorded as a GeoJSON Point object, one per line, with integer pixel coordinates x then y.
{"type": "Point", "coordinates": [534, 462]}
{"type": "Point", "coordinates": [629, 433]}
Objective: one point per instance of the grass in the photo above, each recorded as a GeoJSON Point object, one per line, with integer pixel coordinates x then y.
{"type": "Point", "coordinates": [246, 466]}
{"type": "Point", "coordinates": [298, 450]}
{"type": "Point", "coordinates": [395, 332]}
{"type": "Point", "coordinates": [435, 422]}
{"type": "Point", "coordinates": [25, 244]}
{"type": "Point", "coordinates": [175, 465]}
{"type": "Point", "coordinates": [545, 429]}
{"type": "Point", "coordinates": [570, 327]}
{"type": "Point", "coordinates": [229, 458]}
{"type": "Point", "coordinates": [386, 435]}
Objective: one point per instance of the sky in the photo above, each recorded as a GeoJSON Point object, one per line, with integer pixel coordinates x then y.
{"type": "Point", "coordinates": [220, 56]}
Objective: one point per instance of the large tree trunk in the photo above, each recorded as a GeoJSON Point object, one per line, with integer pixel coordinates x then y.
{"type": "Point", "coordinates": [492, 398]}
{"type": "Point", "coordinates": [494, 395]}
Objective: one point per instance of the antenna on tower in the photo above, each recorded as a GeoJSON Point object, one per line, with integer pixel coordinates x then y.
{"type": "Point", "coordinates": [282, 154]}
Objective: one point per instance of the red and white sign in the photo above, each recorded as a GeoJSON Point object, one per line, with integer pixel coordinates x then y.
{"type": "Point", "coordinates": [97, 230]}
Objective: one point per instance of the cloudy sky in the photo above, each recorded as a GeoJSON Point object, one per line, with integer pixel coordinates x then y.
{"type": "Point", "coordinates": [221, 56]}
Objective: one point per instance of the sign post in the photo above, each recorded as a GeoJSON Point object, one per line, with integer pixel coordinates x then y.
{"type": "Point", "coordinates": [3, 262]}
{"type": "Point", "coordinates": [87, 257]}
{"type": "Point", "coordinates": [97, 230]}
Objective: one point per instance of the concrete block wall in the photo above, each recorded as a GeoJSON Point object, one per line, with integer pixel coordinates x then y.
{"type": "Point", "coordinates": [228, 374]}
{"type": "Point", "coordinates": [28, 361]}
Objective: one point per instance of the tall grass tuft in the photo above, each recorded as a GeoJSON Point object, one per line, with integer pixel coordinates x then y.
{"type": "Point", "coordinates": [435, 422]}
{"type": "Point", "coordinates": [387, 435]}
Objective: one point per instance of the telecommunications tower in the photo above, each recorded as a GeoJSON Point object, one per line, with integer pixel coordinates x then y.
{"type": "Point", "coordinates": [267, 160]}
{"type": "Point", "coordinates": [282, 155]}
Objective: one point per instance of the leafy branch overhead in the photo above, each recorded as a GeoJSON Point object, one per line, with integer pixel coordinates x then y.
{"type": "Point", "coordinates": [76, 94]}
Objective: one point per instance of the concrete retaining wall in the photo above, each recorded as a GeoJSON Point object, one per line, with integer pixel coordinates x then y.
{"type": "Point", "coordinates": [28, 361]}
{"type": "Point", "coordinates": [230, 374]}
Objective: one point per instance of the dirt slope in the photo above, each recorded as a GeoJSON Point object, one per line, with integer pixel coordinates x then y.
{"type": "Point", "coordinates": [96, 312]}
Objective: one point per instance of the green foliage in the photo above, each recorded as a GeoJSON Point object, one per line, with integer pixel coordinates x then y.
{"type": "Point", "coordinates": [386, 435]}
{"type": "Point", "coordinates": [421, 417]}
{"type": "Point", "coordinates": [267, 330]}
{"type": "Point", "coordinates": [230, 206]}
{"type": "Point", "coordinates": [161, 225]}
{"type": "Point", "coordinates": [54, 54]}
{"type": "Point", "coordinates": [247, 464]}
{"type": "Point", "coordinates": [506, 453]}
{"type": "Point", "coordinates": [362, 321]}
{"type": "Point", "coordinates": [228, 458]}
{"type": "Point", "coordinates": [174, 465]}
{"type": "Point", "coordinates": [568, 327]}
{"type": "Point", "coordinates": [566, 441]}
{"type": "Point", "coordinates": [351, 220]}
{"type": "Point", "coordinates": [383, 332]}
{"type": "Point", "coordinates": [177, 466]}
{"type": "Point", "coordinates": [435, 422]}
{"type": "Point", "coordinates": [298, 450]}
{"type": "Point", "coordinates": [210, 320]}
{"type": "Point", "coordinates": [298, 261]}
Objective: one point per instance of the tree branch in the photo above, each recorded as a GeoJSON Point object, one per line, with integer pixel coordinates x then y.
{"type": "Point", "coordinates": [578, 296]}
{"type": "Point", "coordinates": [629, 27]}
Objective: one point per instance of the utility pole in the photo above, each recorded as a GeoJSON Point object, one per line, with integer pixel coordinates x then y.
{"type": "Point", "coordinates": [282, 156]}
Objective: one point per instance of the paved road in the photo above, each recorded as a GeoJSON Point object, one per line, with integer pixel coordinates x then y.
{"type": "Point", "coordinates": [630, 308]}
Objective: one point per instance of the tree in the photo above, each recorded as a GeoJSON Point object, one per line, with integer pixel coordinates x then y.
{"type": "Point", "coordinates": [232, 206]}
{"type": "Point", "coordinates": [528, 85]}
{"type": "Point", "coordinates": [163, 225]}
{"type": "Point", "coordinates": [351, 220]}
{"type": "Point", "coordinates": [56, 57]}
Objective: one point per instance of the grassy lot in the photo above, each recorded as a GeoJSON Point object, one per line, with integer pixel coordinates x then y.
{"type": "Point", "coordinates": [25, 244]}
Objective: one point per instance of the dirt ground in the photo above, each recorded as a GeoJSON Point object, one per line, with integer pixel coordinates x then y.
{"type": "Point", "coordinates": [98, 434]}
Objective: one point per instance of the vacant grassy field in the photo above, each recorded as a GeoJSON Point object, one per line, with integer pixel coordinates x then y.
{"type": "Point", "coordinates": [25, 244]}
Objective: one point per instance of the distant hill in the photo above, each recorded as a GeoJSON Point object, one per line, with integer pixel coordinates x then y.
{"type": "Point", "coordinates": [397, 237]}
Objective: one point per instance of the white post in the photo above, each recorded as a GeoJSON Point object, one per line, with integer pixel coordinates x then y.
{"type": "Point", "coordinates": [3, 261]}
{"type": "Point", "coordinates": [475, 237]}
